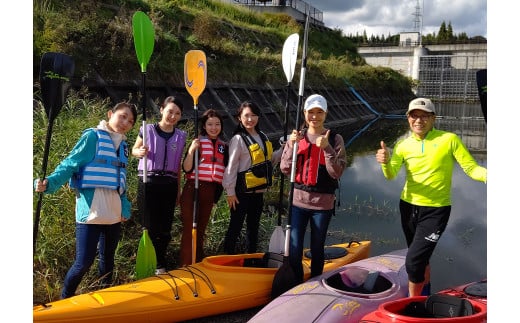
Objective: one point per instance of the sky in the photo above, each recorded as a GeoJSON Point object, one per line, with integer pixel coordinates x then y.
{"type": "Point", "coordinates": [384, 17]}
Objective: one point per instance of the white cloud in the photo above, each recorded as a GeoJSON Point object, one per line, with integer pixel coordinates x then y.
{"type": "Point", "coordinates": [395, 16]}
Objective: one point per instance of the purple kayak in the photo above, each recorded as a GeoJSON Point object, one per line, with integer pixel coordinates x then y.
{"type": "Point", "coordinates": [345, 294]}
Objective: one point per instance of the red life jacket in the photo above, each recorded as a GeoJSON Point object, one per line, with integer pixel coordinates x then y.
{"type": "Point", "coordinates": [311, 172]}
{"type": "Point", "coordinates": [211, 162]}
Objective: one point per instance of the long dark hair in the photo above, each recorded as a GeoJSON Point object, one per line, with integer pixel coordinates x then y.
{"type": "Point", "coordinates": [210, 113]}
{"type": "Point", "coordinates": [254, 108]}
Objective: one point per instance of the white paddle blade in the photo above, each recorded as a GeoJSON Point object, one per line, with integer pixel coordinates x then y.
{"type": "Point", "coordinates": [290, 55]}
{"type": "Point", "coordinates": [277, 242]}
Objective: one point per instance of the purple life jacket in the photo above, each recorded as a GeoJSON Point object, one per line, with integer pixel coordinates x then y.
{"type": "Point", "coordinates": [164, 157]}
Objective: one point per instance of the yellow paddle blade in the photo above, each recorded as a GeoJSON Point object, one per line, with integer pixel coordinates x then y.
{"type": "Point", "coordinates": [146, 261]}
{"type": "Point", "coordinates": [195, 73]}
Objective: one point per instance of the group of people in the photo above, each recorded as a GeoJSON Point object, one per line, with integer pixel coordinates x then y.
{"type": "Point", "coordinates": [243, 169]}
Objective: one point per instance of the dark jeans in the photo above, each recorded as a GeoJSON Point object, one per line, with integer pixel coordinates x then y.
{"type": "Point", "coordinates": [250, 205]}
{"type": "Point", "coordinates": [319, 222]}
{"type": "Point", "coordinates": [90, 239]}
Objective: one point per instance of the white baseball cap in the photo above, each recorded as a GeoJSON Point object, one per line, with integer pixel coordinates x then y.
{"type": "Point", "coordinates": [421, 104]}
{"type": "Point", "coordinates": [315, 101]}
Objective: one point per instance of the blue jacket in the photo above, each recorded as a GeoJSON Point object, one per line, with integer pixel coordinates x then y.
{"type": "Point", "coordinates": [84, 152]}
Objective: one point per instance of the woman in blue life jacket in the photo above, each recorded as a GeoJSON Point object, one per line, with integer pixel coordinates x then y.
{"type": "Point", "coordinates": [320, 163]}
{"type": "Point", "coordinates": [96, 169]}
{"type": "Point", "coordinates": [248, 174]}
{"type": "Point", "coordinates": [158, 197]}
{"type": "Point", "coordinates": [212, 152]}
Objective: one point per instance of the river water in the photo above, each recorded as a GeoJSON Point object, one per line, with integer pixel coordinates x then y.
{"type": "Point", "coordinates": [369, 204]}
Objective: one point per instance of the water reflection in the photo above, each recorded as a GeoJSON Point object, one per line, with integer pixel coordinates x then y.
{"type": "Point", "coordinates": [369, 203]}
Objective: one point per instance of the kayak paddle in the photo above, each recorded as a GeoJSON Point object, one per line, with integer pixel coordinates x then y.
{"type": "Point", "coordinates": [289, 56]}
{"type": "Point", "coordinates": [144, 38]}
{"type": "Point", "coordinates": [195, 81]}
{"type": "Point", "coordinates": [285, 277]}
{"type": "Point", "coordinates": [56, 70]}
{"type": "Point", "coordinates": [482, 90]}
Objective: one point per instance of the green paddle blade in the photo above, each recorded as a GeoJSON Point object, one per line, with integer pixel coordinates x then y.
{"type": "Point", "coordinates": [195, 73]}
{"type": "Point", "coordinates": [144, 38]}
{"type": "Point", "coordinates": [146, 261]}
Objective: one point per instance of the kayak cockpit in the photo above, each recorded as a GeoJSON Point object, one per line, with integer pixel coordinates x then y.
{"type": "Point", "coordinates": [360, 282]}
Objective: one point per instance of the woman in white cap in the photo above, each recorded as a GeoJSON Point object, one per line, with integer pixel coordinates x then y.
{"type": "Point", "coordinates": [321, 160]}
{"type": "Point", "coordinates": [428, 156]}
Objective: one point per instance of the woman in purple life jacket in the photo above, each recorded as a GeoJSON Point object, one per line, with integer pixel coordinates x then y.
{"type": "Point", "coordinates": [158, 197]}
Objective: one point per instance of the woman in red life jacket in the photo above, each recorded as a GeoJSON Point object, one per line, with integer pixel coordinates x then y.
{"type": "Point", "coordinates": [212, 151]}
{"type": "Point", "coordinates": [163, 148]}
{"type": "Point", "coordinates": [320, 163]}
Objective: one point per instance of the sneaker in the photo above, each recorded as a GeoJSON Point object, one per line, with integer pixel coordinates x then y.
{"type": "Point", "coordinates": [161, 270]}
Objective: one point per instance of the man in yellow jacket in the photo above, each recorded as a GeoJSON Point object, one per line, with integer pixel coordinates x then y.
{"type": "Point", "coordinates": [428, 156]}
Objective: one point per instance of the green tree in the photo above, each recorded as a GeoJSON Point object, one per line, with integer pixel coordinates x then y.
{"type": "Point", "coordinates": [443, 33]}
{"type": "Point", "coordinates": [449, 32]}
{"type": "Point", "coordinates": [462, 36]}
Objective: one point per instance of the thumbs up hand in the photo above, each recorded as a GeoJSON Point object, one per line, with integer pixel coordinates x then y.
{"type": "Point", "coordinates": [323, 140]}
{"type": "Point", "coordinates": [382, 155]}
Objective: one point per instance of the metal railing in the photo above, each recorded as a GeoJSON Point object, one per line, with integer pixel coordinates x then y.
{"type": "Point", "coordinates": [298, 5]}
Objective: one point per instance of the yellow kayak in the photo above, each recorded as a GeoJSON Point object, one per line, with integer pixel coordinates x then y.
{"type": "Point", "coordinates": [216, 285]}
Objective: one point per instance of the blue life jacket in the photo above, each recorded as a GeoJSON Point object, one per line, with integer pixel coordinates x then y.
{"type": "Point", "coordinates": [107, 169]}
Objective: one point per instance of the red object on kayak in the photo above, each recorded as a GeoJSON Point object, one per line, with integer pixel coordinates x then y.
{"type": "Point", "coordinates": [463, 304]}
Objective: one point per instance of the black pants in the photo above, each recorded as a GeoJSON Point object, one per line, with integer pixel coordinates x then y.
{"type": "Point", "coordinates": [156, 203]}
{"type": "Point", "coordinates": [250, 205]}
{"type": "Point", "coordinates": [422, 227]}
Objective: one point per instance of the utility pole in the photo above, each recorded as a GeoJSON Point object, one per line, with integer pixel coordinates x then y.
{"type": "Point", "coordinates": [417, 23]}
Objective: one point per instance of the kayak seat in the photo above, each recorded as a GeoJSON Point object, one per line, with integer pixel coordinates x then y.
{"type": "Point", "coordinates": [269, 260]}
{"type": "Point", "coordinates": [441, 305]}
{"type": "Point", "coordinates": [416, 309]}
{"type": "Point", "coordinates": [330, 253]}
{"type": "Point", "coordinates": [273, 260]}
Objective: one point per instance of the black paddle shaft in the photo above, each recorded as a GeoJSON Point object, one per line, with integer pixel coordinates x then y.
{"type": "Point", "coordinates": [56, 70]}
{"type": "Point", "coordinates": [482, 90]}
{"type": "Point", "coordinates": [285, 129]}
